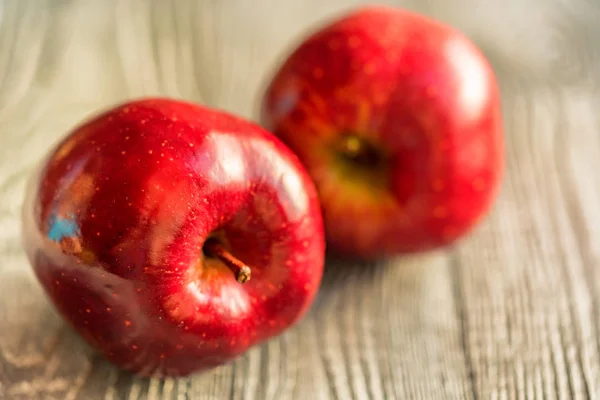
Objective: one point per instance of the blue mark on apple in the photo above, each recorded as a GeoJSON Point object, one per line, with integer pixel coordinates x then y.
{"type": "Point", "coordinates": [287, 102]}
{"type": "Point", "coordinates": [62, 227]}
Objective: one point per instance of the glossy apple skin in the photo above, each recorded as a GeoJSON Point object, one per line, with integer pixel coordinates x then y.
{"type": "Point", "coordinates": [424, 96]}
{"type": "Point", "coordinates": [115, 221]}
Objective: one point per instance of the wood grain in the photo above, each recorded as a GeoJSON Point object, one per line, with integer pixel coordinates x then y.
{"type": "Point", "coordinates": [512, 312]}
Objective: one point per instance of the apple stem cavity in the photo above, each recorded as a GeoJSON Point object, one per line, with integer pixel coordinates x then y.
{"type": "Point", "coordinates": [213, 248]}
{"type": "Point", "coordinates": [360, 152]}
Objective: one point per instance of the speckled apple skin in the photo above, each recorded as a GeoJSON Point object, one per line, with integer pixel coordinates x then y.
{"type": "Point", "coordinates": [116, 218]}
{"type": "Point", "coordinates": [419, 91]}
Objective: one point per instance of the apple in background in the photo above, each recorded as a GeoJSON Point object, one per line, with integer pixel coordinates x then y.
{"type": "Point", "coordinates": [174, 237]}
{"type": "Point", "coordinates": [397, 119]}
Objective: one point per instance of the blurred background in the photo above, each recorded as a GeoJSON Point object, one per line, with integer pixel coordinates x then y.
{"type": "Point", "coordinates": [512, 311]}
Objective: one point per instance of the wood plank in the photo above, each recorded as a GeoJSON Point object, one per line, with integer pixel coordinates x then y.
{"type": "Point", "coordinates": [527, 277]}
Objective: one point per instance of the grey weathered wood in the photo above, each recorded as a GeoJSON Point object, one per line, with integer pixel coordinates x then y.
{"type": "Point", "coordinates": [510, 312]}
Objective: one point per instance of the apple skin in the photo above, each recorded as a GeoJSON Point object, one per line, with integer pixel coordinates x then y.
{"type": "Point", "coordinates": [115, 221]}
{"type": "Point", "coordinates": [421, 101]}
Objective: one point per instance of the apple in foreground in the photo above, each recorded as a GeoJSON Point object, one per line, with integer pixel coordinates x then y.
{"type": "Point", "coordinates": [397, 119]}
{"type": "Point", "coordinates": [174, 237]}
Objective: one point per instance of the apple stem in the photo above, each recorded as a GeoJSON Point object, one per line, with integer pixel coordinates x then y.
{"type": "Point", "coordinates": [242, 272]}
{"type": "Point", "coordinates": [352, 146]}
{"type": "Point", "coordinates": [360, 152]}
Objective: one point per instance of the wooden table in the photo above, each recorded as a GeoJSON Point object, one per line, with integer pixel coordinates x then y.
{"type": "Point", "coordinates": [512, 311]}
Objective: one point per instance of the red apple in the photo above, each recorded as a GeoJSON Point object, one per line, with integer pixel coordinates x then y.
{"type": "Point", "coordinates": [141, 220]}
{"type": "Point", "coordinates": [397, 119]}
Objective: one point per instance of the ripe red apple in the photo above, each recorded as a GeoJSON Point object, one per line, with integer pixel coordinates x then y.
{"type": "Point", "coordinates": [142, 219]}
{"type": "Point", "coordinates": [397, 119]}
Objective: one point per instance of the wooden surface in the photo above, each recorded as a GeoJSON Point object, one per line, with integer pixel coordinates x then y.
{"type": "Point", "coordinates": [513, 311]}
